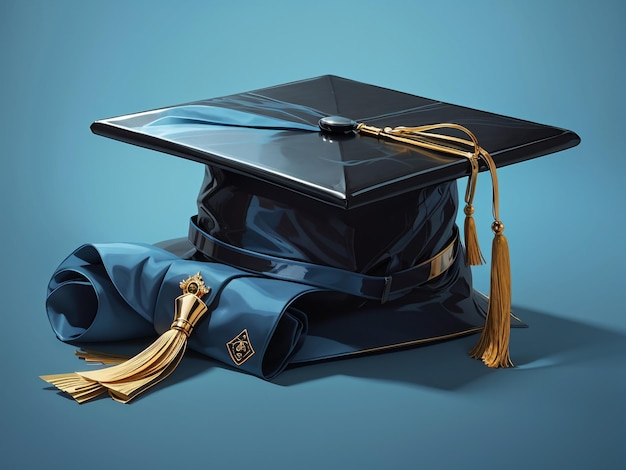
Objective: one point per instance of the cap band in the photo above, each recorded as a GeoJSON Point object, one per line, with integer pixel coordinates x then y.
{"type": "Point", "coordinates": [380, 288]}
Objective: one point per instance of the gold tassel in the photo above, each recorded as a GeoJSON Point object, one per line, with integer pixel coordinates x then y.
{"type": "Point", "coordinates": [493, 345]}
{"type": "Point", "coordinates": [473, 255]}
{"type": "Point", "coordinates": [127, 380]}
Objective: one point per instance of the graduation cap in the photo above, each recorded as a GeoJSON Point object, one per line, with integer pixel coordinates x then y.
{"type": "Point", "coordinates": [336, 202]}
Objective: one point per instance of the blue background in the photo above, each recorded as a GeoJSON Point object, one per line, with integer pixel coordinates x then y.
{"type": "Point", "coordinates": [67, 63]}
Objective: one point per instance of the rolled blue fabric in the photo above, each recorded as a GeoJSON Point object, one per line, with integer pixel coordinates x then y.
{"type": "Point", "coordinates": [120, 291]}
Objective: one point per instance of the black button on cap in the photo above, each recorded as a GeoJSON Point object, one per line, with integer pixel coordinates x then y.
{"type": "Point", "coordinates": [337, 124]}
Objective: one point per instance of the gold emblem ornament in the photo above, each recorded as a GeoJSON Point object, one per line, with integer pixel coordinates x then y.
{"type": "Point", "coordinates": [194, 285]}
{"type": "Point", "coordinates": [240, 348]}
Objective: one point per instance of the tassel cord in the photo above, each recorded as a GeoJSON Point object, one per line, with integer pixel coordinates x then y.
{"type": "Point", "coordinates": [493, 345]}
{"type": "Point", "coordinates": [420, 136]}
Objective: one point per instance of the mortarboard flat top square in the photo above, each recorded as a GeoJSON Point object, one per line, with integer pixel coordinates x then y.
{"type": "Point", "coordinates": [273, 134]}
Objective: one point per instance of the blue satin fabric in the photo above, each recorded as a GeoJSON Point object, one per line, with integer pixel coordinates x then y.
{"type": "Point", "coordinates": [112, 292]}
{"type": "Point", "coordinates": [248, 111]}
{"type": "Point", "coordinates": [181, 119]}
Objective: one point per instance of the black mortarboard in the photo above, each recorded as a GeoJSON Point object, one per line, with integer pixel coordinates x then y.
{"type": "Point", "coordinates": [273, 134]}
{"type": "Point", "coordinates": [351, 189]}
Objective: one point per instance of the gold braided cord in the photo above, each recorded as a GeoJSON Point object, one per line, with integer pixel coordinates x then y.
{"type": "Point", "coordinates": [421, 137]}
{"type": "Point", "coordinates": [494, 183]}
{"type": "Point", "coordinates": [473, 157]}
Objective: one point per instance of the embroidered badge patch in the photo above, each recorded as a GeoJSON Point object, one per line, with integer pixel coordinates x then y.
{"type": "Point", "coordinates": [240, 348]}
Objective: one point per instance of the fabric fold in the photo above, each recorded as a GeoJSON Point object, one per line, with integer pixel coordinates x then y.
{"type": "Point", "coordinates": [120, 291]}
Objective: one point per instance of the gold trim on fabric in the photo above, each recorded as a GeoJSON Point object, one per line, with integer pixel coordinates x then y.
{"type": "Point", "coordinates": [442, 260]}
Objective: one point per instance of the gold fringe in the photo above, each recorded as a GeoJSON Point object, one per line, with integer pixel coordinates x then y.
{"type": "Point", "coordinates": [473, 255]}
{"type": "Point", "coordinates": [493, 345]}
{"type": "Point", "coordinates": [126, 380]}
{"type": "Point", "coordinates": [80, 389]}
{"type": "Point", "coordinates": [130, 378]}
{"type": "Point", "coordinates": [89, 355]}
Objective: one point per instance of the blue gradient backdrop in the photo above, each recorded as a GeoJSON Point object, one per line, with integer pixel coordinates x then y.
{"type": "Point", "coordinates": [67, 63]}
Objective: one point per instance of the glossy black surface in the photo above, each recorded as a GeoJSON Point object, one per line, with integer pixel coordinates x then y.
{"type": "Point", "coordinates": [341, 325]}
{"type": "Point", "coordinates": [383, 238]}
{"type": "Point", "coordinates": [273, 134]}
{"type": "Point", "coordinates": [337, 124]}
{"type": "Point", "coordinates": [275, 158]}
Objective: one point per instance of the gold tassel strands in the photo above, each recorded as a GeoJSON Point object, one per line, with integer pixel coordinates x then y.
{"type": "Point", "coordinates": [101, 357]}
{"type": "Point", "coordinates": [473, 255]}
{"type": "Point", "coordinates": [493, 344]}
{"type": "Point", "coordinates": [130, 378]}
